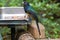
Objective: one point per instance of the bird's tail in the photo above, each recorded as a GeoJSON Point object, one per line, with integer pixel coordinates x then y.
{"type": "Point", "coordinates": [38, 27]}
{"type": "Point", "coordinates": [37, 20]}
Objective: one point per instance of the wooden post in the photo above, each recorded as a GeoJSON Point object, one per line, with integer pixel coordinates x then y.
{"type": "Point", "coordinates": [34, 30]}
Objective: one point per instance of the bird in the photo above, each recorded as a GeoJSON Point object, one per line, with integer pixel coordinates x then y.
{"type": "Point", "coordinates": [30, 10]}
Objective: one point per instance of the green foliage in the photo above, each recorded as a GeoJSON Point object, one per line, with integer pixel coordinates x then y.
{"type": "Point", "coordinates": [47, 8]}
{"type": "Point", "coordinates": [4, 30]}
{"type": "Point", "coordinates": [52, 28]}
{"type": "Point", "coordinates": [12, 3]}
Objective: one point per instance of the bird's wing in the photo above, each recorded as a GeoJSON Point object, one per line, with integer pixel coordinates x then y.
{"type": "Point", "coordinates": [31, 9]}
{"type": "Point", "coordinates": [34, 13]}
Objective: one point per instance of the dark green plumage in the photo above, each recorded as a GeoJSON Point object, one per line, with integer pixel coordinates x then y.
{"type": "Point", "coordinates": [29, 9]}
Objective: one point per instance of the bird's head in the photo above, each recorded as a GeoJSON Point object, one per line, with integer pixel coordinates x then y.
{"type": "Point", "coordinates": [25, 3]}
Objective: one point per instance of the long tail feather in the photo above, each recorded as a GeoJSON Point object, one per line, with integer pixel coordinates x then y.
{"type": "Point", "coordinates": [38, 27]}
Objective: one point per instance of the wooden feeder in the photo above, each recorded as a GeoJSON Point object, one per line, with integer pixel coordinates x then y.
{"type": "Point", "coordinates": [12, 16]}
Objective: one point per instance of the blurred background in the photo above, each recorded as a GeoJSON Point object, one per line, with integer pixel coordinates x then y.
{"type": "Point", "coordinates": [49, 11]}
